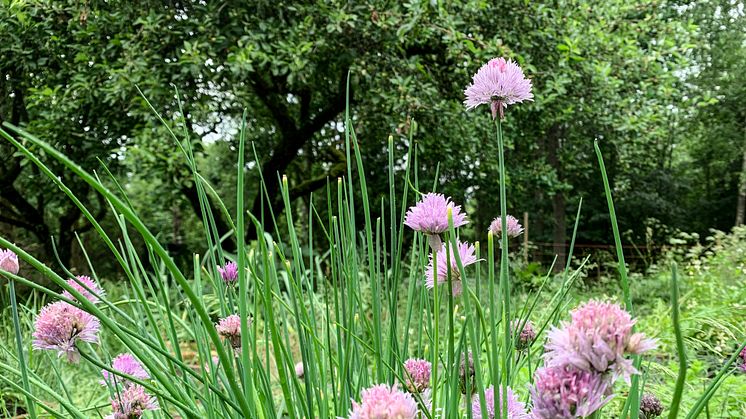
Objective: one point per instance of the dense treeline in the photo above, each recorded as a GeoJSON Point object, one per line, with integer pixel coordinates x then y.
{"type": "Point", "coordinates": [658, 83]}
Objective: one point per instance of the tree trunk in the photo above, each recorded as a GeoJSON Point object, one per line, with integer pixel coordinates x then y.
{"type": "Point", "coordinates": [741, 206]}
{"type": "Point", "coordinates": [559, 207]}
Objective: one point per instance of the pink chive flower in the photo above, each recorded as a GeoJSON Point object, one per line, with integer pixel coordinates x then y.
{"type": "Point", "coordinates": [300, 371]}
{"type": "Point", "coordinates": [229, 273]}
{"type": "Point", "coordinates": [743, 359]}
{"type": "Point", "coordinates": [384, 402]}
{"type": "Point", "coordinates": [230, 329]}
{"type": "Point", "coordinates": [60, 326]}
{"type": "Point", "coordinates": [466, 253]}
{"type": "Point", "coordinates": [650, 407]}
{"type": "Point", "coordinates": [127, 364]}
{"type": "Point", "coordinates": [75, 283]}
{"type": "Point", "coordinates": [9, 262]}
{"type": "Point", "coordinates": [514, 227]}
{"type": "Point", "coordinates": [417, 374]}
{"type": "Point", "coordinates": [430, 217]}
{"type": "Point", "coordinates": [498, 83]}
{"type": "Point", "coordinates": [568, 393]}
{"type": "Point", "coordinates": [131, 403]}
{"type": "Point", "coordinates": [597, 339]}
{"type": "Point", "coordinates": [526, 335]}
{"type": "Point", "coordinates": [516, 409]}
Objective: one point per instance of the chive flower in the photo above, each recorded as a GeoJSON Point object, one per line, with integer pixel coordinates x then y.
{"type": "Point", "coordinates": [127, 364]}
{"type": "Point", "coordinates": [597, 339]}
{"type": "Point", "coordinates": [568, 393]}
{"type": "Point", "coordinates": [229, 273]}
{"type": "Point", "coordinates": [430, 217]}
{"type": "Point", "coordinates": [131, 403]}
{"type": "Point", "coordinates": [525, 336]}
{"type": "Point", "coordinates": [516, 409]}
{"type": "Point", "coordinates": [498, 83]}
{"type": "Point", "coordinates": [384, 402]}
{"type": "Point", "coordinates": [230, 329]}
{"type": "Point", "coordinates": [60, 326]}
{"type": "Point", "coordinates": [9, 261]}
{"type": "Point", "coordinates": [300, 370]}
{"type": "Point", "coordinates": [466, 253]}
{"type": "Point", "coordinates": [90, 283]}
{"type": "Point", "coordinates": [650, 407]}
{"type": "Point", "coordinates": [417, 374]}
{"type": "Point", "coordinates": [514, 229]}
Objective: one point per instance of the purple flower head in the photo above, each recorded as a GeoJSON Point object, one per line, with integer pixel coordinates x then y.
{"type": "Point", "coordinates": [526, 335]}
{"type": "Point", "coordinates": [430, 216]}
{"type": "Point", "coordinates": [384, 402]}
{"type": "Point", "coordinates": [498, 83]}
{"type": "Point", "coordinates": [514, 227]}
{"type": "Point", "coordinates": [417, 374]}
{"type": "Point", "coordinates": [467, 256]}
{"type": "Point", "coordinates": [229, 273]}
{"type": "Point", "coordinates": [516, 409]}
{"type": "Point", "coordinates": [597, 339]}
{"type": "Point", "coordinates": [60, 326]}
{"type": "Point", "coordinates": [127, 364]}
{"type": "Point", "coordinates": [743, 359]}
{"type": "Point", "coordinates": [9, 261]}
{"type": "Point", "coordinates": [568, 393]}
{"type": "Point", "coordinates": [230, 329]}
{"type": "Point", "coordinates": [650, 407]}
{"type": "Point", "coordinates": [75, 283]}
{"type": "Point", "coordinates": [131, 403]}
{"type": "Point", "coordinates": [300, 371]}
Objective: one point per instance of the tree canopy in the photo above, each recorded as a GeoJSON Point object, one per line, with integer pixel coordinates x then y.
{"type": "Point", "coordinates": [624, 73]}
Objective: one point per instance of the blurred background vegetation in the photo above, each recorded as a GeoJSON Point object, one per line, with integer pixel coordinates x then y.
{"type": "Point", "coordinates": [660, 84]}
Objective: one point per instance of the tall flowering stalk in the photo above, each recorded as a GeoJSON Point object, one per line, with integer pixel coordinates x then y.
{"type": "Point", "coordinates": [500, 83]}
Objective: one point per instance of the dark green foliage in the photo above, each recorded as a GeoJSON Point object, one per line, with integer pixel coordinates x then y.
{"type": "Point", "coordinates": [652, 81]}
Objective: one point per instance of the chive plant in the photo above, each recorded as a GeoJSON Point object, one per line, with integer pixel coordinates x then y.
{"type": "Point", "coordinates": [328, 330]}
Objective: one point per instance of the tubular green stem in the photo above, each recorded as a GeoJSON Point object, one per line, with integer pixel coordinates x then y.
{"type": "Point", "coordinates": [632, 404]}
{"type": "Point", "coordinates": [507, 352]}
{"type": "Point", "coordinates": [676, 319]}
{"type": "Point", "coordinates": [21, 354]}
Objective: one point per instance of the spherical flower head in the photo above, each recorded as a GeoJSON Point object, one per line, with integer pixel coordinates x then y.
{"type": "Point", "coordinates": [300, 371]}
{"type": "Point", "coordinates": [384, 402]}
{"type": "Point", "coordinates": [430, 215]}
{"type": "Point", "coordinates": [229, 273]}
{"type": "Point", "coordinates": [466, 253]}
{"type": "Point", "coordinates": [516, 409]}
{"type": "Point", "coordinates": [498, 83]}
{"type": "Point", "coordinates": [9, 261]}
{"type": "Point", "coordinates": [91, 284]}
{"type": "Point", "coordinates": [526, 335]}
{"type": "Point", "coordinates": [568, 393]}
{"type": "Point", "coordinates": [417, 374]}
{"type": "Point", "coordinates": [230, 328]}
{"type": "Point", "coordinates": [514, 229]}
{"type": "Point", "coordinates": [597, 339]}
{"type": "Point", "coordinates": [131, 403]}
{"type": "Point", "coordinates": [466, 374]}
{"type": "Point", "coordinates": [60, 326]}
{"type": "Point", "coordinates": [650, 407]}
{"type": "Point", "coordinates": [127, 364]}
